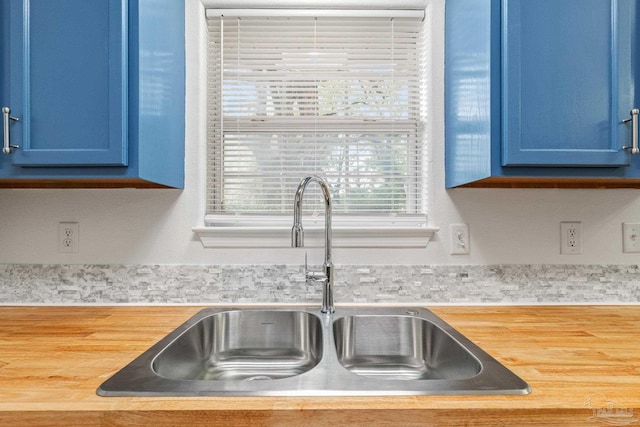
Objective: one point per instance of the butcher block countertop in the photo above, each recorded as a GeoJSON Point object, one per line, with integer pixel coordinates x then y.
{"type": "Point", "coordinates": [582, 363]}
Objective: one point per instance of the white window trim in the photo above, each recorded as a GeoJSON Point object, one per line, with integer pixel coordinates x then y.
{"type": "Point", "coordinates": [255, 231]}
{"type": "Point", "coordinates": [315, 4]}
{"type": "Point", "coordinates": [274, 231]}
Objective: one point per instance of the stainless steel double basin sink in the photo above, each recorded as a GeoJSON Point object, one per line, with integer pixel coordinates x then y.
{"type": "Point", "coordinates": [303, 352]}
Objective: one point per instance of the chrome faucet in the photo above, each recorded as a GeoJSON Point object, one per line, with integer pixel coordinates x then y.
{"type": "Point", "coordinates": [324, 277]}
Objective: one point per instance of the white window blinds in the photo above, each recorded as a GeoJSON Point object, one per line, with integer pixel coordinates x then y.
{"type": "Point", "coordinates": [334, 96]}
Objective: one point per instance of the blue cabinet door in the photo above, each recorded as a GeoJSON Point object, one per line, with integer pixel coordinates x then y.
{"type": "Point", "coordinates": [68, 82]}
{"type": "Point", "coordinates": [566, 85]}
{"type": "Point", "coordinates": [537, 92]}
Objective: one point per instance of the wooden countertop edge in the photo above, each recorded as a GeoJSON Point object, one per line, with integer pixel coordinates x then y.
{"type": "Point", "coordinates": [364, 417]}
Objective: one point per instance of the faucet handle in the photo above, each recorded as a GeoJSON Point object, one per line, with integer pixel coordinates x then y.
{"type": "Point", "coordinates": [307, 273]}
{"type": "Point", "coordinates": [313, 276]}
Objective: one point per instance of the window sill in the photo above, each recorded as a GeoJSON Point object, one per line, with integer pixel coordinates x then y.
{"type": "Point", "coordinates": [232, 232]}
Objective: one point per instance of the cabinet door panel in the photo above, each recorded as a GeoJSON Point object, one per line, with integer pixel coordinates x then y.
{"type": "Point", "coordinates": [563, 87]}
{"type": "Point", "coordinates": [69, 82]}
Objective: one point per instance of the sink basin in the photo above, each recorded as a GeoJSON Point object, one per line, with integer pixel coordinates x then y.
{"type": "Point", "coordinates": [244, 345]}
{"type": "Point", "coordinates": [401, 348]}
{"type": "Point", "coordinates": [303, 352]}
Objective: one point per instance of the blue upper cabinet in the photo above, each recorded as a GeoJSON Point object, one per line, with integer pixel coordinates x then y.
{"type": "Point", "coordinates": [539, 91]}
{"type": "Point", "coordinates": [68, 82]}
{"type": "Point", "coordinates": [98, 91]}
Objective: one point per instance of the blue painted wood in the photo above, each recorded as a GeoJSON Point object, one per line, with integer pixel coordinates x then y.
{"type": "Point", "coordinates": [68, 84]}
{"type": "Point", "coordinates": [154, 36]}
{"type": "Point", "coordinates": [561, 83]}
{"type": "Point", "coordinates": [466, 146]}
{"type": "Point", "coordinates": [158, 121]}
{"type": "Point", "coordinates": [471, 101]}
{"type": "Point", "coordinates": [4, 59]}
{"type": "Point", "coordinates": [4, 55]}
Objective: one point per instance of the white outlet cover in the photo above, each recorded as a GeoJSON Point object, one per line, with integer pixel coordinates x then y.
{"type": "Point", "coordinates": [460, 240]}
{"type": "Point", "coordinates": [68, 237]}
{"type": "Point", "coordinates": [630, 237]}
{"type": "Point", "coordinates": [571, 238]}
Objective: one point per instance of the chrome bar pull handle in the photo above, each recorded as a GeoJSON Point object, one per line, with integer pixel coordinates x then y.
{"type": "Point", "coordinates": [6, 122]}
{"type": "Point", "coordinates": [634, 132]}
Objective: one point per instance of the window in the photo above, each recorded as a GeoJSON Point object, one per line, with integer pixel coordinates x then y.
{"type": "Point", "coordinates": [338, 96]}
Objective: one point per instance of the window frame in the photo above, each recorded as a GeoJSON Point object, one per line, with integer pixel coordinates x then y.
{"type": "Point", "coordinates": [228, 230]}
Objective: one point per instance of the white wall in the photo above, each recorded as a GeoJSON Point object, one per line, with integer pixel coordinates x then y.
{"type": "Point", "coordinates": [508, 226]}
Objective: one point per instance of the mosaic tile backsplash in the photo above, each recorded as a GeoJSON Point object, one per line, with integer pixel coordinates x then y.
{"type": "Point", "coordinates": [241, 284]}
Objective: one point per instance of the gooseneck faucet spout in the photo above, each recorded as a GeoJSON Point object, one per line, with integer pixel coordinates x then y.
{"type": "Point", "coordinates": [324, 277]}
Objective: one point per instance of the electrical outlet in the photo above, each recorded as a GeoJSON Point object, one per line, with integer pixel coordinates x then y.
{"type": "Point", "coordinates": [630, 237]}
{"type": "Point", "coordinates": [68, 237]}
{"type": "Point", "coordinates": [570, 238]}
{"type": "Point", "coordinates": [459, 239]}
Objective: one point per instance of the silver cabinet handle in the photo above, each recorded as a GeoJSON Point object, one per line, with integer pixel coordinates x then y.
{"type": "Point", "coordinates": [6, 121]}
{"type": "Point", "coordinates": [634, 132]}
